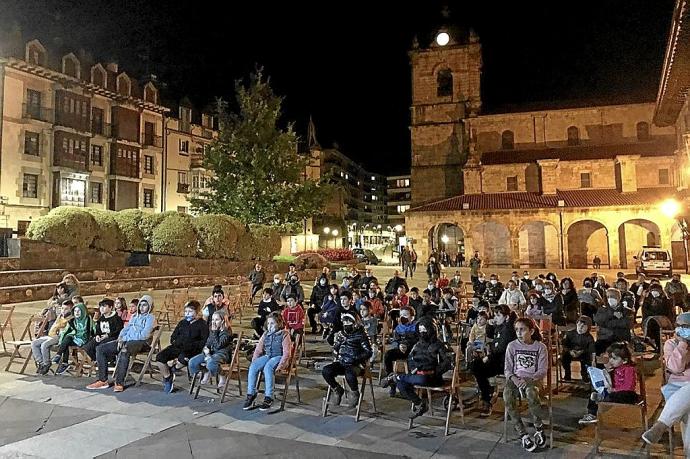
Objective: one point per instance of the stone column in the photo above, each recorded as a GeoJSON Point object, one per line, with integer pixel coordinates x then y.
{"type": "Point", "coordinates": [614, 248]}
{"type": "Point", "coordinates": [627, 167]}
{"type": "Point", "coordinates": [515, 248]}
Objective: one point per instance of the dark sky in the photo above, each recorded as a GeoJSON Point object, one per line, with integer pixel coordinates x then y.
{"type": "Point", "coordinates": [346, 63]}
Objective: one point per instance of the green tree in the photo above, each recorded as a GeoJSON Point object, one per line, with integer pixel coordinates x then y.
{"type": "Point", "coordinates": [259, 175]}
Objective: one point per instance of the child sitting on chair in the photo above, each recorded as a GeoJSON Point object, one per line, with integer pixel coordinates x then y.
{"type": "Point", "coordinates": [526, 365]}
{"type": "Point", "coordinates": [77, 333]}
{"type": "Point", "coordinates": [270, 355]}
{"type": "Point", "coordinates": [352, 349]}
{"type": "Point", "coordinates": [476, 341]}
{"type": "Point", "coordinates": [293, 315]}
{"type": "Point", "coordinates": [216, 351]}
{"type": "Point", "coordinates": [371, 327]}
{"type": "Point", "coordinates": [623, 381]}
{"type": "Point", "coordinates": [578, 345]}
{"type": "Point", "coordinates": [107, 327]}
{"type": "Point", "coordinates": [266, 306]}
{"type": "Point", "coordinates": [40, 347]}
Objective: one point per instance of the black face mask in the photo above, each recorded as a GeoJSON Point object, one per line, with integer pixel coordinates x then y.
{"type": "Point", "coordinates": [348, 329]}
{"type": "Point", "coordinates": [588, 285]}
{"type": "Point", "coordinates": [424, 336]}
{"type": "Point", "coordinates": [404, 320]}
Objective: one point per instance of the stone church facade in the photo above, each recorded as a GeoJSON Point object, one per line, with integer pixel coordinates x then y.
{"type": "Point", "coordinates": [550, 186]}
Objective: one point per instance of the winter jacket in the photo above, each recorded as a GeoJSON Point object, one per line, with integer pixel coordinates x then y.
{"type": "Point", "coordinates": [293, 289]}
{"type": "Point", "coordinates": [573, 341]}
{"type": "Point", "coordinates": [294, 317]}
{"type": "Point", "coordinates": [554, 308]}
{"type": "Point", "coordinates": [480, 289]}
{"type": "Point", "coordinates": [111, 326]}
{"type": "Point", "coordinates": [330, 311]}
{"type": "Point", "coordinates": [318, 293]}
{"type": "Point", "coordinates": [624, 378]}
{"type": "Point", "coordinates": [353, 348]}
{"type": "Point", "coordinates": [257, 277]}
{"type": "Point", "coordinates": [59, 325]}
{"type": "Point", "coordinates": [371, 326]}
{"type": "Point", "coordinates": [571, 305]}
{"type": "Point", "coordinates": [79, 329]}
{"type": "Point", "coordinates": [377, 308]}
{"type": "Point", "coordinates": [526, 285]}
{"type": "Point", "coordinates": [433, 270]}
{"type": "Point", "coordinates": [589, 296]}
{"type": "Point", "coordinates": [493, 292]}
{"type": "Point", "coordinates": [512, 297]}
{"type": "Point", "coordinates": [274, 344]}
{"type": "Point", "coordinates": [277, 290]}
{"type": "Point", "coordinates": [139, 328]}
{"type": "Point", "coordinates": [660, 306]}
{"type": "Point", "coordinates": [394, 283]}
{"type": "Point", "coordinates": [426, 310]}
{"type": "Point", "coordinates": [405, 334]}
{"type": "Point", "coordinates": [503, 334]}
{"type": "Point", "coordinates": [266, 307]}
{"type": "Point", "coordinates": [219, 342]}
{"type": "Point", "coordinates": [677, 360]}
{"type": "Point", "coordinates": [416, 304]}
{"type": "Point", "coordinates": [677, 292]}
{"type": "Point", "coordinates": [430, 354]}
{"type": "Point", "coordinates": [611, 328]}
{"type": "Point", "coordinates": [190, 336]}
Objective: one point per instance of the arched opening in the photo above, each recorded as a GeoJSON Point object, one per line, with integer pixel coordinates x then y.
{"type": "Point", "coordinates": [507, 140]}
{"type": "Point", "coordinates": [492, 240]}
{"type": "Point", "coordinates": [539, 247]}
{"type": "Point", "coordinates": [587, 239]}
{"type": "Point", "coordinates": [451, 238]}
{"type": "Point", "coordinates": [632, 235]}
{"type": "Point", "coordinates": [444, 83]}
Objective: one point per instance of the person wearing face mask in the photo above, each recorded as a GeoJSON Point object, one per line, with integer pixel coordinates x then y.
{"type": "Point", "coordinates": [270, 355]}
{"type": "Point", "coordinates": [513, 297]}
{"type": "Point", "coordinates": [578, 345]}
{"type": "Point", "coordinates": [277, 286]}
{"type": "Point", "coordinates": [492, 364]}
{"type": "Point", "coordinates": [330, 310]}
{"type": "Point", "coordinates": [657, 314]}
{"type": "Point", "coordinates": [352, 349]}
{"type": "Point", "coordinates": [677, 292]}
{"type": "Point", "coordinates": [318, 295]}
{"type": "Point", "coordinates": [494, 290]}
{"type": "Point", "coordinates": [553, 303]}
{"type": "Point", "coordinates": [377, 308]}
{"type": "Point", "coordinates": [187, 340]}
{"type": "Point", "coordinates": [614, 322]}
{"type": "Point", "coordinates": [293, 287]}
{"type": "Point", "coordinates": [479, 287]}
{"type": "Point", "coordinates": [676, 391]}
{"type": "Point", "coordinates": [404, 337]}
{"type": "Point", "coordinates": [526, 283]}
{"type": "Point", "coordinates": [590, 299]}
{"type": "Point", "coordinates": [627, 297]}
{"type": "Point", "coordinates": [428, 360]}
{"type": "Point", "coordinates": [216, 352]}
{"type": "Point", "coordinates": [345, 307]}
{"type": "Point", "coordinates": [266, 306]}
{"type": "Point", "coordinates": [571, 305]}
{"type": "Point", "coordinates": [135, 337]}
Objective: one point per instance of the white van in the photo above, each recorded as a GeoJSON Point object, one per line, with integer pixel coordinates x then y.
{"type": "Point", "coordinates": [653, 260]}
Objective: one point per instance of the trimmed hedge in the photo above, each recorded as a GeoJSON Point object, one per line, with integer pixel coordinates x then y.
{"type": "Point", "coordinates": [217, 236]}
{"type": "Point", "coordinates": [68, 226]}
{"type": "Point", "coordinates": [108, 237]}
{"type": "Point", "coordinates": [170, 233]}
{"type": "Point", "coordinates": [174, 235]}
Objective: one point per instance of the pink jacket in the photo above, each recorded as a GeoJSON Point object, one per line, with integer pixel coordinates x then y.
{"type": "Point", "coordinates": [287, 347]}
{"type": "Point", "coordinates": [624, 378]}
{"type": "Point", "coordinates": [677, 360]}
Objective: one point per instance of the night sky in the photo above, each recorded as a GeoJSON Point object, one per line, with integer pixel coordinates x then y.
{"type": "Point", "coordinates": [346, 63]}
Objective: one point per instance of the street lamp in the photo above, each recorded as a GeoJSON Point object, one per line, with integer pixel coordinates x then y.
{"type": "Point", "coordinates": [442, 38]}
{"type": "Point", "coordinates": [670, 208]}
{"type": "Point", "coordinates": [398, 228]}
{"type": "Point", "coordinates": [326, 231]}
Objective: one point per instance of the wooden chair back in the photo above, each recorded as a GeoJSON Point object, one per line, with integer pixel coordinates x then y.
{"type": "Point", "coordinates": [233, 368]}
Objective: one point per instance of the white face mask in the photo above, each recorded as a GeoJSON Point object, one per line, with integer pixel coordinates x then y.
{"type": "Point", "coordinates": [613, 302]}
{"type": "Point", "coordinates": [271, 327]}
{"type": "Point", "coordinates": [547, 291]}
{"type": "Point", "coordinates": [481, 279]}
{"type": "Point", "coordinates": [539, 287]}
{"type": "Point", "coordinates": [494, 282]}
{"type": "Point", "coordinates": [525, 277]}
{"type": "Point", "coordinates": [656, 293]}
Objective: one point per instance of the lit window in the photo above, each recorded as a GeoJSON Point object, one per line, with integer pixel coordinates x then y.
{"type": "Point", "coordinates": [148, 198]}
{"type": "Point", "coordinates": [96, 192]}
{"type": "Point", "coordinates": [373, 198]}
{"type": "Point", "coordinates": [30, 186]}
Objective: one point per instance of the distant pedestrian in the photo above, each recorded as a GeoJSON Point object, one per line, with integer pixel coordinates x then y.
{"type": "Point", "coordinates": [475, 266]}
{"type": "Point", "coordinates": [596, 262]}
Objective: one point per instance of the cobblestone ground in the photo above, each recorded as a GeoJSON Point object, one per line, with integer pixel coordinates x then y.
{"type": "Point", "coordinates": [56, 417]}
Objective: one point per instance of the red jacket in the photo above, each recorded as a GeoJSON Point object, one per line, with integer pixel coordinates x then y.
{"type": "Point", "coordinates": [624, 378]}
{"type": "Point", "coordinates": [294, 318]}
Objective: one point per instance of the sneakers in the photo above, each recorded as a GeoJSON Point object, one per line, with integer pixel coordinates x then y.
{"type": "Point", "coordinates": [98, 385]}
{"type": "Point", "coordinates": [419, 410]}
{"type": "Point", "coordinates": [119, 388]}
{"type": "Point", "coordinates": [485, 410]}
{"type": "Point", "coordinates": [56, 359]}
{"type": "Point", "coordinates": [337, 395]}
{"type": "Point", "coordinates": [527, 443]}
{"type": "Point", "coordinates": [43, 369]}
{"type": "Point", "coordinates": [266, 405]}
{"type": "Point", "coordinates": [353, 399]}
{"type": "Point", "coordinates": [539, 437]}
{"type": "Point", "coordinates": [62, 369]}
{"type": "Point", "coordinates": [388, 381]}
{"type": "Point", "coordinates": [249, 402]}
{"type": "Point", "coordinates": [391, 391]}
{"type": "Point", "coordinates": [168, 384]}
{"type": "Point", "coordinates": [654, 434]}
{"type": "Point", "coordinates": [588, 419]}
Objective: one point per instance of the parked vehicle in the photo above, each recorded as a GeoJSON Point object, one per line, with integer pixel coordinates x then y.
{"type": "Point", "coordinates": [653, 260]}
{"type": "Point", "coordinates": [366, 256]}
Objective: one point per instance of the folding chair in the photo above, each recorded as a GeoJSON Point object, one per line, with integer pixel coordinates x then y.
{"type": "Point", "coordinates": [366, 376]}
{"type": "Point", "coordinates": [6, 324]}
{"type": "Point", "coordinates": [545, 391]}
{"type": "Point", "coordinates": [24, 340]}
{"type": "Point", "coordinates": [396, 364]}
{"type": "Point", "coordinates": [641, 404]}
{"type": "Point", "coordinates": [233, 367]}
{"type": "Point", "coordinates": [154, 347]}
{"type": "Point", "coordinates": [452, 388]}
{"type": "Point", "coordinates": [288, 374]}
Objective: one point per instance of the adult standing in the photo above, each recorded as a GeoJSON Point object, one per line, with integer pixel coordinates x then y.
{"type": "Point", "coordinates": [406, 260]}
{"type": "Point", "coordinates": [475, 266]}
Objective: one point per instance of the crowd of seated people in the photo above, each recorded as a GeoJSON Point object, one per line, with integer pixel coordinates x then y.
{"type": "Point", "coordinates": [501, 328]}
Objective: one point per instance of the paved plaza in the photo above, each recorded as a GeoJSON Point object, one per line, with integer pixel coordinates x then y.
{"type": "Point", "coordinates": [56, 417]}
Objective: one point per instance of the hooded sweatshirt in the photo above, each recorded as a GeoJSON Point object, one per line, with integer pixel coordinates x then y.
{"type": "Point", "coordinates": [140, 327]}
{"type": "Point", "coordinates": [79, 329]}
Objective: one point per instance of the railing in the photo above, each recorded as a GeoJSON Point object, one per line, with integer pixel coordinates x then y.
{"type": "Point", "coordinates": [151, 140]}
{"type": "Point", "coordinates": [183, 188]}
{"type": "Point", "coordinates": [76, 162]}
{"type": "Point", "coordinates": [196, 160]}
{"type": "Point", "coordinates": [34, 112]}
{"type": "Point", "coordinates": [80, 123]}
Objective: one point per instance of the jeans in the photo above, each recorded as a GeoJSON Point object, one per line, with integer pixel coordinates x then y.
{"type": "Point", "coordinates": [511, 394]}
{"type": "Point", "coordinates": [268, 366]}
{"type": "Point", "coordinates": [676, 409]}
{"type": "Point", "coordinates": [408, 270]}
{"type": "Point", "coordinates": [212, 365]}
{"type": "Point", "coordinates": [90, 347]}
{"type": "Point", "coordinates": [391, 356]}
{"type": "Point", "coordinates": [256, 288]}
{"type": "Point", "coordinates": [585, 360]}
{"type": "Point", "coordinates": [334, 369]}
{"type": "Point", "coordinates": [40, 348]}
{"type": "Point", "coordinates": [406, 383]}
{"type": "Point", "coordinates": [312, 311]}
{"type": "Point", "coordinates": [108, 352]}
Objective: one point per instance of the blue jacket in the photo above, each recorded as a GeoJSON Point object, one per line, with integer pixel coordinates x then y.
{"type": "Point", "coordinates": [139, 328]}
